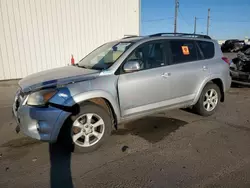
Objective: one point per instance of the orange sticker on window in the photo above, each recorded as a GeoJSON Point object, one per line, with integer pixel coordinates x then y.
{"type": "Point", "coordinates": [185, 50]}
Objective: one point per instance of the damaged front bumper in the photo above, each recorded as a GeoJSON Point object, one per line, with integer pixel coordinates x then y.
{"type": "Point", "coordinates": [39, 123]}
{"type": "Point", "coordinates": [239, 77]}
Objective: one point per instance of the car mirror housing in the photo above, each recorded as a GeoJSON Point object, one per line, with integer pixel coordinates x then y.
{"type": "Point", "coordinates": [131, 66]}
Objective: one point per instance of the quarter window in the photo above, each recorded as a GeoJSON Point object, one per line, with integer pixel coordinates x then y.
{"type": "Point", "coordinates": [207, 49]}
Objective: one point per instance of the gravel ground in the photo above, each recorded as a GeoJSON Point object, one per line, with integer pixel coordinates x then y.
{"type": "Point", "coordinates": [171, 149]}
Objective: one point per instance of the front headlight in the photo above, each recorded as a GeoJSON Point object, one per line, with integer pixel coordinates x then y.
{"type": "Point", "coordinates": [40, 98]}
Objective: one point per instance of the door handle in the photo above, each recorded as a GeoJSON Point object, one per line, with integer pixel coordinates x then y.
{"type": "Point", "coordinates": [204, 68]}
{"type": "Point", "coordinates": [165, 75]}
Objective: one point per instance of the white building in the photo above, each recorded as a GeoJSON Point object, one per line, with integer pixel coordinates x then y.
{"type": "Point", "coordinates": [36, 35]}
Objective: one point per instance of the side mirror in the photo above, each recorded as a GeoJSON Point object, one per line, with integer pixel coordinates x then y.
{"type": "Point", "coordinates": [131, 66]}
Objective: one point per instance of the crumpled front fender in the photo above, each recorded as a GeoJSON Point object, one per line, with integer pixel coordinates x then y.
{"type": "Point", "coordinates": [81, 97]}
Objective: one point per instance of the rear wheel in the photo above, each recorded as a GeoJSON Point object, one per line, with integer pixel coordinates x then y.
{"type": "Point", "coordinates": [208, 101]}
{"type": "Point", "coordinates": [89, 128]}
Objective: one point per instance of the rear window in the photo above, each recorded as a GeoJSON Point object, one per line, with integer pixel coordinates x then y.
{"type": "Point", "coordinates": [207, 48]}
{"type": "Point", "coordinates": [183, 51]}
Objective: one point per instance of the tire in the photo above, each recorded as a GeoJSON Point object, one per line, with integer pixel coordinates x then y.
{"type": "Point", "coordinates": [72, 127]}
{"type": "Point", "coordinates": [204, 110]}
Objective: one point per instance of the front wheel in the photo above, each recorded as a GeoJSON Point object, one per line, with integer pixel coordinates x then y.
{"type": "Point", "coordinates": [89, 128]}
{"type": "Point", "coordinates": [209, 100]}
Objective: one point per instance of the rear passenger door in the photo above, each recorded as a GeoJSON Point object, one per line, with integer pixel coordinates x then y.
{"type": "Point", "coordinates": [187, 69]}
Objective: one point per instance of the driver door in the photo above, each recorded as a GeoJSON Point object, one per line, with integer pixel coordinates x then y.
{"type": "Point", "coordinates": [147, 88]}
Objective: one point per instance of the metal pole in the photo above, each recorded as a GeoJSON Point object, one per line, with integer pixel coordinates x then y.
{"type": "Point", "coordinates": [208, 20]}
{"type": "Point", "coordinates": [195, 25]}
{"type": "Point", "coordinates": [176, 15]}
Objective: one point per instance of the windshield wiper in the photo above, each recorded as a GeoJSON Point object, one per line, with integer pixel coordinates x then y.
{"type": "Point", "coordinates": [82, 66]}
{"type": "Point", "coordinates": [93, 68]}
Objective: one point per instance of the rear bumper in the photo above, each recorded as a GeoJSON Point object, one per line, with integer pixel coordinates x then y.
{"type": "Point", "coordinates": [40, 123]}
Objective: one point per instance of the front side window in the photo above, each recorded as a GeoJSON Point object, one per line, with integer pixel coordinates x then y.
{"type": "Point", "coordinates": [104, 56]}
{"type": "Point", "coordinates": [149, 55]}
{"type": "Point", "coordinates": [183, 51]}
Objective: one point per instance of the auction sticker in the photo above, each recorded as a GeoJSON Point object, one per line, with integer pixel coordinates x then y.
{"type": "Point", "coordinates": [185, 50]}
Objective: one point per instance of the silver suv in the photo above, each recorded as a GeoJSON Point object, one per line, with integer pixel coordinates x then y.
{"type": "Point", "coordinates": [122, 81]}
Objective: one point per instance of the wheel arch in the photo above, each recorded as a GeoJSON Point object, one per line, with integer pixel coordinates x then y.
{"type": "Point", "coordinates": [220, 84]}
{"type": "Point", "coordinates": [102, 98]}
{"type": "Point", "coordinates": [212, 79]}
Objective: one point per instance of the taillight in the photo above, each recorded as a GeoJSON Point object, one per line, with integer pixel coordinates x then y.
{"type": "Point", "coordinates": [226, 60]}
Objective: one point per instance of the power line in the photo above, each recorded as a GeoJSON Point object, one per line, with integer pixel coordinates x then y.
{"type": "Point", "coordinates": [156, 20]}
{"type": "Point", "coordinates": [182, 17]}
{"type": "Point", "coordinates": [229, 21]}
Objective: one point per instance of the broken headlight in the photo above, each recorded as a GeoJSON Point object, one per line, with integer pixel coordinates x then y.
{"type": "Point", "coordinates": [40, 98]}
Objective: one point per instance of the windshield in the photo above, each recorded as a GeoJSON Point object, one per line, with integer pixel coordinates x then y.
{"type": "Point", "coordinates": [104, 56]}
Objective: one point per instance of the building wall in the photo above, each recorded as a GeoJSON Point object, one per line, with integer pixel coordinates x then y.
{"type": "Point", "coordinates": [36, 35]}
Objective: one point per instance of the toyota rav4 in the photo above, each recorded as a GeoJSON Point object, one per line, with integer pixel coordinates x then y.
{"type": "Point", "coordinates": [121, 81]}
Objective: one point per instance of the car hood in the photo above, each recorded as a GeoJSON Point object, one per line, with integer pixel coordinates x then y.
{"type": "Point", "coordinates": [56, 76]}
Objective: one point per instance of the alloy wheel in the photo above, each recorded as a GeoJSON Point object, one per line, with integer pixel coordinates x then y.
{"type": "Point", "coordinates": [210, 100]}
{"type": "Point", "coordinates": [87, 130]}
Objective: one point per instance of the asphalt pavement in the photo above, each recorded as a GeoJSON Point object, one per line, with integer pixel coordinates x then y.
{"type": "Point", "coordinates": [171, 149]}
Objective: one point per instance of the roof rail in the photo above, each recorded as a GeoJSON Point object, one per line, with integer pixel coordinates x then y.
{"type": "Point", "coordinates": [181, 34]}
{"type": "Point", "coordinates": [129, 36]}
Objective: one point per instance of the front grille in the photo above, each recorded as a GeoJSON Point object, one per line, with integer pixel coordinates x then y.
{"type": "Point", "coordinates": [244, 77]}
{"type": "Point", "coordinates": [18, 99]}
{"type": "Point", "coordinates": [241, 80]}
{"type": "Point", "coordinates": [17, 104]}
{"type": "Point", "coordinates": [21, 94]}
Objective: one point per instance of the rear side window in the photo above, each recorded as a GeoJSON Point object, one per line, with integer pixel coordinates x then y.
{"type": "Point", "coordinates": [183, 51]}
{"type": "Point", "coordinates": [207, 48]}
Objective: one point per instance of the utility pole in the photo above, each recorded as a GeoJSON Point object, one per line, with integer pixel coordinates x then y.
{"type": "Point", "coordinates": [195, 24]}
{"type": "Point", "coordinates": [176, 15]}
{"type": "Point", "coordinates": [208, 20]}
